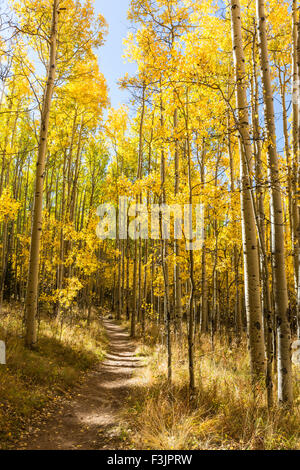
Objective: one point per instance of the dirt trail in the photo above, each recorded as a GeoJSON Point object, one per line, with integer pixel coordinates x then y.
{"type": "Point", "coordinates": [92, 419]}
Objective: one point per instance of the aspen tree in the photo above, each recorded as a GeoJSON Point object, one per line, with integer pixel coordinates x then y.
{"type": "Point", "coordinates": [33, 273]}
{"type": "Point", "coordinates": [137, 270]}
{"type": "Point", "coordinates": [191, 312]}
{"type": "Point", "coordinates": [237, 304]}
{"type": "Point", "coordinates": [177, 282]}
{"type": "Point", "coordinates": [283, 82]}
{"type": "Point", "coordinates": [261, 226]}
{"type": "Point", "coordinates": [297, 182]}
{"type": "Point", "coordinates": [295, 148]}
{"type": "Point", "coordinates": [204, 300]}
{"type": "Point", "coordinates": [164, 251]}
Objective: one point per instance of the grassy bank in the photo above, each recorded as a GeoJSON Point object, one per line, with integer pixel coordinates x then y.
{"type": "Point", "coordinates": [33, 381]}
{"type": "Point", "coordinates": [221, 414]}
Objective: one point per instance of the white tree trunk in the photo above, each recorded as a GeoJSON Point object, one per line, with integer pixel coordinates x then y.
{"type": "Point", "coordinates": [36, 230]}
{"type": "Point", "coordinates": [285, 393]}
{"type": "Point", "coordinates": [250, 247]}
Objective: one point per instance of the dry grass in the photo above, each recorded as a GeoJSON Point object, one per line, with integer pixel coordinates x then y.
{"type": "Point", "coordinates": [222, 413]}
{"type": "Point", "coordinates": [32, 380]}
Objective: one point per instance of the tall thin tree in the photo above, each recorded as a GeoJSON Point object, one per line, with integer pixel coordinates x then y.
{"type": "Point", "coordinates": [37, 220]}
{"type": "Point", "coordinates": [250, 246]}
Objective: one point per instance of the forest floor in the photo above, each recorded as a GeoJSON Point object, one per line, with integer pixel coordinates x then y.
{"type": "Point", "coordinates": [93, 419]}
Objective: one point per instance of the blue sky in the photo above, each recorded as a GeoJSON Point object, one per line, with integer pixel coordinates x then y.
{"type": "Point", "coordinates": [112, 65]}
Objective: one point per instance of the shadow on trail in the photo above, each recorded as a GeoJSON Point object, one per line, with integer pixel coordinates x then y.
{"type": "Point", "coordinates": [92, 419]}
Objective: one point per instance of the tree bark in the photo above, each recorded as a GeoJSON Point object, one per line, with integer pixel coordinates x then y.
{"type": "Point", "coordinates": [33, 272]}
